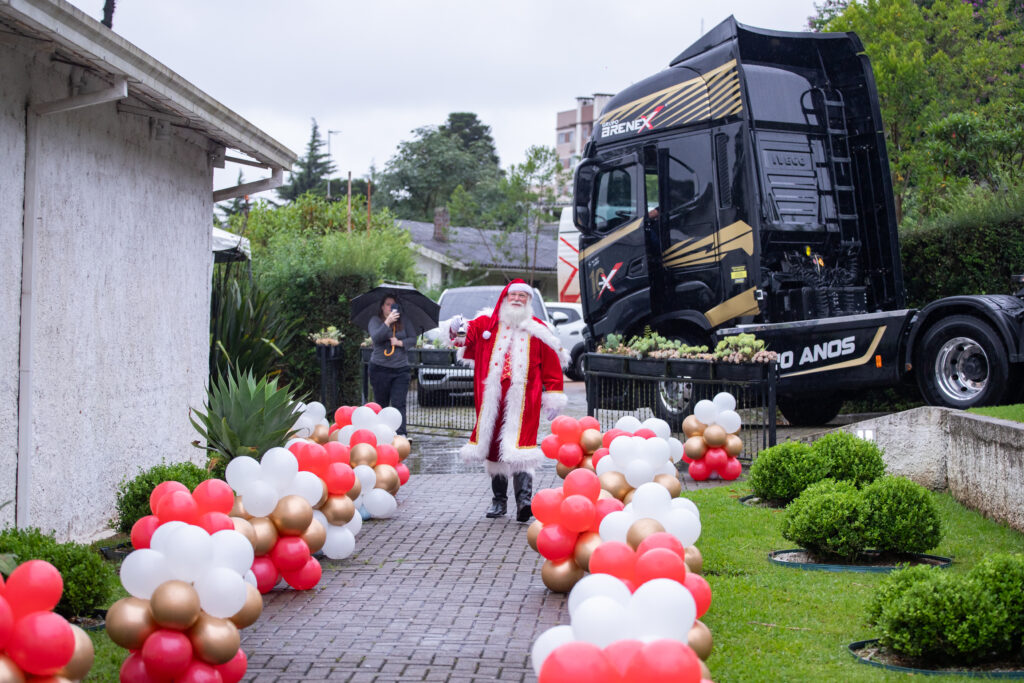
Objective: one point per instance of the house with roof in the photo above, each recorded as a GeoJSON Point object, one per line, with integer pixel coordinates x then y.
{"type": "Point", "coordinates": [105, 221]}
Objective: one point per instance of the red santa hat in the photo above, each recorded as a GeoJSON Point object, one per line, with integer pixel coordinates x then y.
{"type": "Point", "coordinates": [516, 285]}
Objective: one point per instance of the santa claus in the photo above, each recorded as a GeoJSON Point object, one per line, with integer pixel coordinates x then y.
{"type": "Point", "coordinates": [517, 375]}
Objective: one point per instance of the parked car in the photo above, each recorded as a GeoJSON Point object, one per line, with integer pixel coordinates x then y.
{"type": "Point", "coordinates": [442, 384]}
{"type": "Point", "coordinates": [568, 321]}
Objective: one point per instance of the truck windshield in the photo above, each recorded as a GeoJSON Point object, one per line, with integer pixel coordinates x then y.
{"type": "Point", "coordinates": [616, 197]}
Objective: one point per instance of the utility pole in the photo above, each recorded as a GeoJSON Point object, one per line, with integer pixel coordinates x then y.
{"type": "Point", "coordinates": [350, 201]}
{"type": "Point", "coordinates": [369, 193]}
{"type": "Point", "coordinates": [330, 159]}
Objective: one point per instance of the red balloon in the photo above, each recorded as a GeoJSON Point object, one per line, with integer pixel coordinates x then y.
{"type": "Point", "coordinates": [298, 448]}
{"type": "Point", "coordinates": [343, 416]}
{"type": "Point", "coordinates": [570, 454]}
{"type": "Point", "coordinates": [547, 505]}
{"type": "Point", "coordinates": [567, 429]}
{"type": "Point", "coordinates": [549, 445]}
{"type": "Point", "coordinates": [340, 478]}
{"type": "Point", "coordinates": [601, 508]}
{"type": "Point", "coordinates": [666, 661]}
{"type": "Point", "coordinates": [699, 470]}
{"type": "Point", "coordinates": [687, 459]}
{"type": "Point", "coordinates": [621, 652]}
{"type": "Point", "coordinates": [166, 653]}
{"type": "Point", "coordinates": [212, 522]}
{"type": "Point", "coordinates": [662, 539]}
{"type": "Point", "coordinates": [598, 454]}
{"type": "Point", "coordinates": [403, 473]}
{"type": "Point", "coordinates": [266, 573]}
{"type": "Point", "coordinates": [178, 506]}
{"type": "Point", "coordinates": [214, 495]}
{"type": "Point", "coordinates": [33, 586]}
{"type": "Point", "coordinates": [234, 670]}
{"type": "Point", "coordinates": [162, 489]}
{"type": "Point", "coordinates": [577, 661]}
{"type": "Point", "coordinates": [133, 670]}
{"type": "Point", "coordinates": [375, 407]}
{"type": "Point", "coordinates": [289, 554]}
{"type": "Point", "coordinates": [700, 590]}
{"type": "Point", "coordinates": [576, 513]}
{"type": "Point", "coordinates": [615, 558]}
{"type": "Point", "coordinates": [337, 452]}
{"type": "Point", "coordinates": [645, 432]}
{"type": "Point", "coordinates": [363, 436]}
{"type": "Point", "coordinates": [659, 563]}
{"type": "Point", "coordinates": [583, 483]}
{"type": "Point", "coordinates": [715, 458]}
{"type": "Point", "coordinates": [555, 542]}
{"type": "Point", "coordinates": [316, 460]}
{"type": "Point", "coordinates": [306, 577]}
{"type": "Point", "coordinates": [609, 436]}
{"type": "Point", "coordinates": [6, 623]}
{"type": "Point", "coordinates": [589, 422]}
{"type": "Point", "coordinates": [199, 671]}
{"type": "Point", "coordinates": [41, 643]}
{"type": "Point", "coordinates": [387, 455]}
{"type": "Point", "coordinates": [732, 469]}
{"type": "Point", "coordinates": [142, 531]}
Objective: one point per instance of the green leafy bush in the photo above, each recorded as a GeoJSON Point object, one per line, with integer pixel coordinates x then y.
{"type": "Point", "coordinates": [88, 580]}
{"type": "Point", "coordinates": [899, 515]}
{"type": "Point", "coordinates": [825, 520]}
{"type": "Point", "coordinates": [133, 494]}
{"type": "Point", "coordinates": [780, 473]}
{"type": "Point", "coordinates": [850, 458]}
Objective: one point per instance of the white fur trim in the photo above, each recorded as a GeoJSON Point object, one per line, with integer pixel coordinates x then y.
{"type": "Point", "coordinates": [544, 333]}
{"type": "Point", "coordinates": [487, 334]}
{"type": "Point", "coordinates": [520, 287]}
{"type": "Point", "coordinates": [553, 401]}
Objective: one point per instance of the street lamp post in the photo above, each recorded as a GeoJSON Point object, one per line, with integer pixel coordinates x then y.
{"type": "Point", "coordinates": [330, 158]}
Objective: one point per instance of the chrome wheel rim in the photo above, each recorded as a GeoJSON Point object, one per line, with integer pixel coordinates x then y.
{"type": "Point", "coordinates": [961, 369]}
{"type": "Point", "coordinates": [675, 397]}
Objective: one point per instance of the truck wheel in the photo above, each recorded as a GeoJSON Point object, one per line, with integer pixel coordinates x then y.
{"type": "Point", "coordinates": [673, 401]}
{"type": "Point", "coordinates": [809, 411]}
{"type": "Point", "coordinates": [962, 363]}
{"type": "Point", "coordinates": [575, 369]}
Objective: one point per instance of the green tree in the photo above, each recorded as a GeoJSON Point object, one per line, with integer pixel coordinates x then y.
{"type": "Point", "coordinates": [474, 135]}
{"type": "Point", "coordinates": [311, 171]}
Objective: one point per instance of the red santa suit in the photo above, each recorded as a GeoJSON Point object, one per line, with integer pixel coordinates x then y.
{"type": "Point", "coordinates": [517, 374]}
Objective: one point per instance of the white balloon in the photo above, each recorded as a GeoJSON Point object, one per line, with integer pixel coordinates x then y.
{"type": "Point", "coordinates": [355, 525]}
{"type": "Point", "coordinates": [682, 524]}
{"type": "Point", "coordinates": [724, 401]}
{"type": "Point", "coordinates": [658, 426]}
{"type": "Point", "coordinates": [675, 449]}
{"type": "Point", "coordinates": [621, 450]}
{"type": "Point", "coordinates": [651, 500]}
{"type": "Point", "coordinates": [366, 476]}
{"type": "Point", "coordinates": [340, 542]}
{"type": "Point", "coordinates": [240, 471]}
{"type": "Point", "coordinates": [380, 503]}
{"type": "Point", "coordinates": [667, 468]}
{"type": "Point", "coordinates": [259, 498]}
{"type": "Point", "coordinates": [324, 422]}
{"type": "Point", "coordinates": [599, 620]}
{"type": "Point", "coordinates": [705, 411]}
{"type": "Point", "coordinates": [278, 465]}
{"type": "Point", "coordinates": [293, 440]}
{"type": "Point", "coordinates": [605, 464]}
{"type": "Point", "coordinates": [142, 571]}
{"type": "Point", "coordinates": [383, 433]}
{"type": "Point", "coordinates": [251, 578]}
{"type": "Point", "coordinates": [729, 421]}
{"type": "Point", "coordinates": [316, 411]}
{"type": "Point", "coordinates": [232, 550]}
{"type": "Point", "coordinates": [661, 608]}
{"type": "Point", "coordinates": [363, 417]}
{"type": "Point", "coordinates": [307, 485]}
{"type": "Point", "coordinates": [303, 427]}
{"type": "Point", "coordinates": [547, 643]}
{"type": "Point", "coordinates": [221, 592]}
{"type": "Point", "coordinates": [615, 525]}
{"type": "Point", "coordinates": [391, 417]}
{"type": "Point", "coordinates": [322, 518]}
{"type": "Point", "coordinates": [345, 434]}
{"type": "Point", "coordinates": [686, 504]}
{"type": "Point", "coordinates": [638, 472]}
{"type": "Point", "coordinates": [161, 537]}
{"type": "Point", "coordinates": [655, 452]}
{"type": "Point", "coordinates": [190, 554]}
{"type": "Point", "coordinates": [628, 423]}
{"type": "Point", "coordinates": [597, 584]}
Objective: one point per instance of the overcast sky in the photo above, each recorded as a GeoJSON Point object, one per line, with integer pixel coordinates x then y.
{"type": "Point", "coordinates": [375, 70]}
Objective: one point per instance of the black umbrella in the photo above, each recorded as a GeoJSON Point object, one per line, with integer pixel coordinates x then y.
{"type": "Point", "coordinates": [417, 310]}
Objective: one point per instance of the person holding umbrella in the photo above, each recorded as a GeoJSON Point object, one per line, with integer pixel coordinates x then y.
{"type": "Point", "coordinates": [389, 362]}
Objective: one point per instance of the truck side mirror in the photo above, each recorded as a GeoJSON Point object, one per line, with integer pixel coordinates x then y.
{"type": "Point", "coordinates": [585, 174]}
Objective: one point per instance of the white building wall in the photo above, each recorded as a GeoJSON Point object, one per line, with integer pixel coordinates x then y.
{"type": "Point", "coordinates": [122, 297]}
{"type": "Point", "coordinates": [431, 270]}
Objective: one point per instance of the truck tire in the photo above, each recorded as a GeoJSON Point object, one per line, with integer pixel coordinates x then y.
{"type": "Point", "coordinates": [575, 369]}
{"type": "Point", "coordinates": [962, 363]}
{"type": "Point", "coordinates": [809, 411]}
{"type": "Point", "coordinates": [673, 401]}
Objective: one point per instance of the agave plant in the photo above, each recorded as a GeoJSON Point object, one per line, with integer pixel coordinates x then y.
{"type": "Point", "coordinates": [246, 330]}
{"type": "Point", "coordinates": [243, 417]}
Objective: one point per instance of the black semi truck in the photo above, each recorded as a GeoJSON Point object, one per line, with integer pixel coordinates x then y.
{"type": "Point", "coordinates": [746, 188]}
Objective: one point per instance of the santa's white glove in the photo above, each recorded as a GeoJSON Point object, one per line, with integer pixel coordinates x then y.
{"type": "Point", "coordinates": [457, 330]}
{"type": "Point", "coordinates": [551, 412]}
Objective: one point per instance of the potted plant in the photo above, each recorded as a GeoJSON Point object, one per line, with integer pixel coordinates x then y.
{"type": "Point", "coordinates": [743, 357]}
{"type": "Point", "coordinates": [328, 342]}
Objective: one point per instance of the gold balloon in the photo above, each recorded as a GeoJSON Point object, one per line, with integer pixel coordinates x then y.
{"type": "Point", "coordinates": [590, 440]}
{"type": "Point", "coordinates": [694, 447]}
{"type": "Point", "coordinates": [244, 527]}
{"type": "Point", "coordinates": [587, 463]}
{"type": "Point", "coordinates": [9, 671]}
{"type": "Point", "coordinates": [562, 471]}
{"type": "Point", "coordinates": [363, 454]}
{"type": "Point", "coordinates": [715, 435]}
{"type": "Point", "coordinates": [238, 510]}
{"type": "Point", "coordinates": [605, 495]}
{"type": "Point", "coordinates": [628, 498]}
{"type": "Point", "coordinates": [320, 433]}
{"type": "Point", "coordinates": [251, 610]}
{"type": "Point", "coordinates": [614, 483]}
{"type": "Point", "coordinates": [315, 536]}
{"type": "Point", "coordinates": [402, 445]}
{"type": "Point", "coordinates": [81, 660]}
{"type": "Point", "coordinates": [215, 641]}
{"type": "Point", "coordinates": [266, 535]}
{"type": "Point", "coordinates": [700, 639]}
{"type": "Point", "coordinates": [292, 515]}
{"type": "Point", "coordinates": [354, 492]}
{"type": "Point", "coordinates": [387, 478]}
{"type": "Point", "coordinates": [693, 427]}
{"type": "Point", "coordinates": [694, 560]}
{"type": "Point", "coordinates": [532, 532]}
{"type": "Point", "coordinates": [733, 445]}
{"type": "Point", "coordinates": [339, 509]}
{"type": "Point", "coordinates": [323, 495]}
{"type": "Point", "coordinates": [585, 546]}
{"type": "Point", "coordinates": [561, 576]}
{"type": "Point", "coordinates": [670, 482]}
{"type": "Point", "coordinates": [641, 529]}
{"type": "Point", "coordinates": [129, 622]}
{"type": "Point", "coordinates": [175, 605]}
{"type": "Point", "coordinates": [705, 672]}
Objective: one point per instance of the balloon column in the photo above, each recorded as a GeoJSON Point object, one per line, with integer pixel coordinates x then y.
{"type": "Point", "coordinates": [33, 639]}
{"type": "Point", "coordinates": [638, 453]}
{"type": "Point", "coordinates": [188, 601]}
{"type": "Point", "coordinates": [712, 444]}
{"type": "Point", "coordinates": [573, 443]}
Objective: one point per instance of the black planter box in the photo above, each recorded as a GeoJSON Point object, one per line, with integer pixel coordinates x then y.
{"type": "Point", "coordinates": [742, 372]}
{"type": "Point", "coordinates": [650, 367]}
{"type": "Point", "coordinates": [365, 352]}
{"type": "Point", "coordinates": [605, 362]}
{"type": "Point", "coordinates": [432, 356]}
{"type": "Point", "coordinates": [328, 352]}
{"type": "Point", "coordinates": [690, 369]}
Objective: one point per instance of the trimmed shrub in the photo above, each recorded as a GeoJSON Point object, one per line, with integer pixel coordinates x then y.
{"type": "Point", "coordinates": [850, 458]}
{"type": "Point", "coordinates": [780, 473]}
{"type": "Point", "coordinates": [1004, 577]}
{"type": "Point", "coordinates": [88, 581]}
{"type": "Point", "coordinates": [825, 520]}
{"type": "Point", "coordinates": [133, 495]}
{"type": "Point", "coordinates": [899, 515]}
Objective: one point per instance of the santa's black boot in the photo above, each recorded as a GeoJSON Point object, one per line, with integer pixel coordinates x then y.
{"type": "Point", "coordinates": [499, 486]}
{"type": "Point", "coordinates": [522, 484]}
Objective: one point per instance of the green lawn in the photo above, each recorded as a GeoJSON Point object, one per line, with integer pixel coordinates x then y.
{"type": "Point", "coordinates": [1014, 412]}
{"type": "Point", "coordinates": [773, 623]}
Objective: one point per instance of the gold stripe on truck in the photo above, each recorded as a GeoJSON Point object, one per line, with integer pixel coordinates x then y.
{"type": "Point", "coordinates": [710, 249]}
{"type": "Point", "coordinates": [742, 304]}
{"type": "Point", "coordinates": [612, 238]}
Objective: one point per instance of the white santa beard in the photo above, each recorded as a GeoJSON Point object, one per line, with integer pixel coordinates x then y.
{"type": "Point", "coordinates": [513, 316]}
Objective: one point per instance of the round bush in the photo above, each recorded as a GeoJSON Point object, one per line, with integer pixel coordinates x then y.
{"type": "Point", "coordinates": [133, 495]}
{"type": "Point", "coordinates": [850, 459]}
{"type": "Point", "coordinates": [1003, 575]}
{"type": "Point", "coordinates": [780, 473]}
{"type": "Point", "coordinates": [88, 580]}
{"type": "Point", "coordinates": [900, 516]}
{"type": "Point", "coordinates": [825, 520]}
